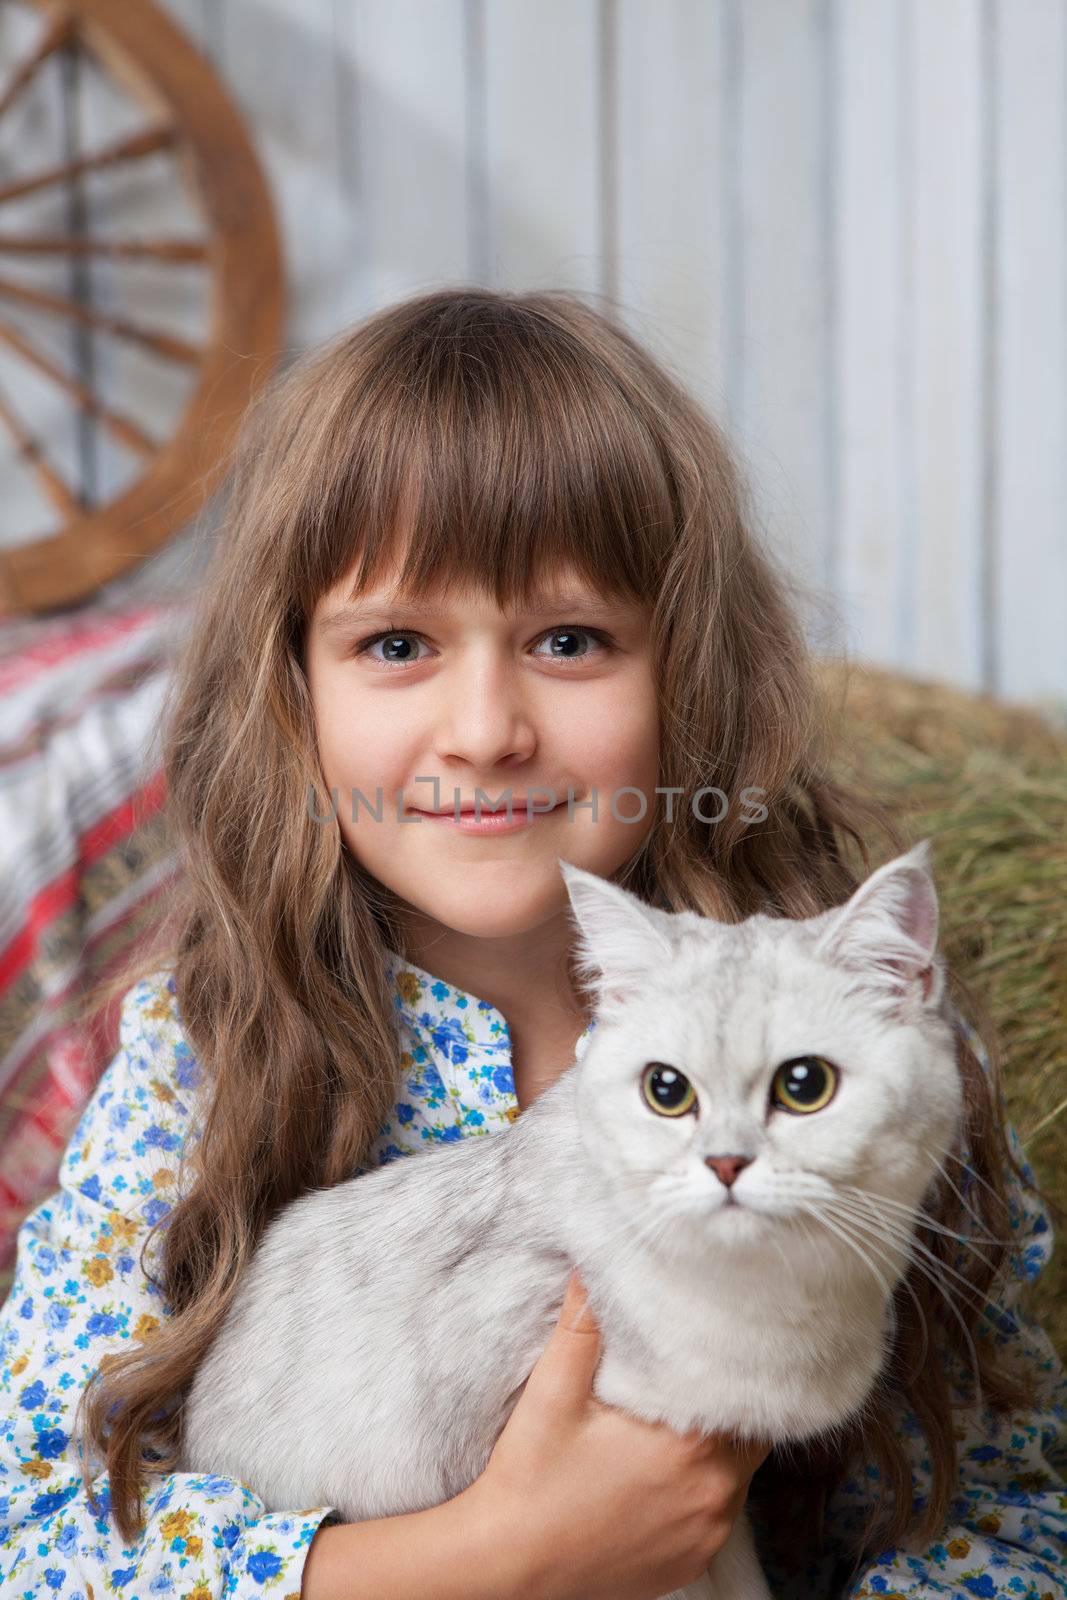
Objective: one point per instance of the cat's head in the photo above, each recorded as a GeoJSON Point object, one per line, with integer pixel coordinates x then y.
{"type": "Point", "coordinates": [745, 1078]}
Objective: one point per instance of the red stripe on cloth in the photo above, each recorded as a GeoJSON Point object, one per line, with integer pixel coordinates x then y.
{"type": "Point", "coordinates": [33, 1146]}
{"type": "Point", "coordinates": [55, 898]}
{"type": "Point", "coordinates": [34, 660]}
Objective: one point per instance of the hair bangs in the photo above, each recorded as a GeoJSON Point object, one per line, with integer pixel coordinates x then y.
{"type": "Point", "coordinates": [497, 456]}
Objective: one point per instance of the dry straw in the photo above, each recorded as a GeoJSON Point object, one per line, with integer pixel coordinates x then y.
{"type": "Point", "coordinates": [987, 782]}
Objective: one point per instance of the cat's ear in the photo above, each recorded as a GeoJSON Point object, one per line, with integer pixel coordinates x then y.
{"type": "Point", "coordinates": [619, 937]}
{"type": "Point", "coordinates": [887, 932]}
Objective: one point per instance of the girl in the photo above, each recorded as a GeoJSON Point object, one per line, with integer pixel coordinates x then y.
{"type": "Point", "coordinates": [483, 543]}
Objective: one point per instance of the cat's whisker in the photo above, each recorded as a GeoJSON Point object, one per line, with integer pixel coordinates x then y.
{"type": "Point", "coordinates": [854, 1244]}
{"type": "Point", "coordinates": [970, 1171]}
{"type": "Point", "coordinates": [773, 1234]}
{"type": "Point", "coordinates": [960, 1196]}
{"type": "Point", "coordinates": [925, 1269]}
{"type": "Point", "coordinates": [860, 1247]}
{"type": "Point", "coordinates": [918, 1212]}
{"type": "Point", "coordinates": [878, 1202]}
{"type": "Point", "coordinates": [903, 1282]}
{"type": "Point", "coordinates": [888, 1227]}
{"type": "Point", "coordinates": [984, 1302]}
{"type": "Point", "coordinates": [807, 1225]}
{"type": "Point", "coordinates": [642, 1232]}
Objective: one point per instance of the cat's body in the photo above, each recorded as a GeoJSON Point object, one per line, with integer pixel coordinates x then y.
{"type": "Point", "coordinates": [382, 1333]}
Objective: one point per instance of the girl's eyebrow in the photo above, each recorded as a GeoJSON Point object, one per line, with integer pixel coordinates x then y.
{"type": "Point", "coordinates": [339, 617]}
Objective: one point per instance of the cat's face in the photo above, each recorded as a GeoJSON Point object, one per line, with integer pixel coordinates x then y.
{"type": "Point", "coordinates": [744, 1078]}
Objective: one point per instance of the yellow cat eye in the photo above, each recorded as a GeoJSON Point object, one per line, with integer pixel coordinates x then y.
{"type": "Point", "coordinates": [806, 1083]}
{"type": "Point", "coordinates": [667, 1090]}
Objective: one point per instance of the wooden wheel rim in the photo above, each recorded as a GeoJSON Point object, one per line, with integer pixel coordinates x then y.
{"type": "Point", "coordinates": [142, 48]}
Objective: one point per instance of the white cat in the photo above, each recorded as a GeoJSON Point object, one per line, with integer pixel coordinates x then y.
{"type": "Point", "coordinates": [749, 1092]}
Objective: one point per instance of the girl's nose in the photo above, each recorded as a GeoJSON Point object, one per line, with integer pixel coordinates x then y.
{"type": "Point", "coordinates": [483, 717]}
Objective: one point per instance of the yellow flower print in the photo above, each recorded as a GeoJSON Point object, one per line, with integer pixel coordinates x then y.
{"type": "Point", "coordinates": [162, 1091]}
{"type": "Point", "coordinates": [176, 1525]}
{"type": "Point", "coordinates": [36, 1468]}
{"type": "Point", "coordinates": [1030, 1481]}
{"type": "Point", "coordinates": [202, 1592]}
{"type": "Point", "coordinates": [98, 1271]}
{"type": "Point", "coordinates": [990, 1523]}
{"type": "Point", "coordinates": [194, 1545]}
{"type": "Point", "coordinates": [145, 1325]}
{"type": "Point", "coordinates": [123, 1228]}
{"type": "Point", "coordinates": [407, 987]}
{"type": "Point", "coordinates": [162, 1178]}
{"type": "Point", "coordinates": [511, 1112]}
{"type": "Point", "coordinates": [19, 1365]}
{"type": "Point", "coordinates": [158, 1010]}
{"type": "Point", "coordinates": [958, 1548]}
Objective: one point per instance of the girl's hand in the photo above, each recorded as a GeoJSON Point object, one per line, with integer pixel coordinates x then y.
{"type": "Point", "coordinates": [597, 1504]}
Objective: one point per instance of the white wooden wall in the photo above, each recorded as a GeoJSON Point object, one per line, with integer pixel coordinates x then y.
{"type": "Point", "coordinates": [843, 222]}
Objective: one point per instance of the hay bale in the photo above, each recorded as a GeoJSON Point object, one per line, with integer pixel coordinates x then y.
{"type": "Point", "coordinates": [987, 782]}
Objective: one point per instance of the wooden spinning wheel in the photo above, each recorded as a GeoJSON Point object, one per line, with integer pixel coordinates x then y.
{"type": "Point", "coordinates": [179, 113]}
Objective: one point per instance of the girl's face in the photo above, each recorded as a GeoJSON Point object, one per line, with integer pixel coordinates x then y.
{"type": "Point", "coordinates": [557, 698]}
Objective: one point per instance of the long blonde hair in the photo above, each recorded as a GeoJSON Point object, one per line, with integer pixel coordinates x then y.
{"type": "Point", "coordinates": [521, 431]}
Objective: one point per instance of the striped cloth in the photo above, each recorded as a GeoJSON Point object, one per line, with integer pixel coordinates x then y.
{"type": "Point", "coordinates": [82, 864]}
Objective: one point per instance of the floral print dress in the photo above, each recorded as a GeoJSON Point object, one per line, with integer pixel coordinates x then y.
{"type": "Point", "coordinates": [79, 1292]}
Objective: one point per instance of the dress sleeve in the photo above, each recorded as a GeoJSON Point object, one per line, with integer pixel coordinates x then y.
{"type": "Point", "coordinates": [78, 1292]}
{"type": "Point", "coordinates": [1007, 1532]}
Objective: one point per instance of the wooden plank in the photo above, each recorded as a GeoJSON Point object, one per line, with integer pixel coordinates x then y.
{"type": "Point", "coordinates": [404, 154]}
{"type": "Point", "coordinates": [1029, 550]}
{"type": "Point", "coordinates": [283, 64]}
{"type": "Point", "coordinates": [781, 364]}
{"type": "Point", "coordinates": [672, 259]}
{"type": "Point", "coordinates": [542, 157]}
{"type": "Point", "coordinates": [943, 622]}
{"type": "Point", "coordinates": [873, 331]}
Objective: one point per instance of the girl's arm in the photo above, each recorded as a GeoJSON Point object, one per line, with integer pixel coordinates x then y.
{"type": "Point", "coordinates": [79, 1292]}
{"type": "Point", "coordinates": [1008, 1530]}
{"type": "Point", "coordinates": [448, 1552]}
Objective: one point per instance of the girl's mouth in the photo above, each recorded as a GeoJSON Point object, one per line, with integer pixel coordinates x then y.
{"type": "Point", "coordinates": [491, 822]}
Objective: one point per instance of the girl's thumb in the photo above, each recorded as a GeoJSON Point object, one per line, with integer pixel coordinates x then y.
{"type": "Point", "coordinates": [570, 1357]}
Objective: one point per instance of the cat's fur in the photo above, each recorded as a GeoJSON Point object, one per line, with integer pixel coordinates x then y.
{"type": "Point", "coordinates": [383, 1330]}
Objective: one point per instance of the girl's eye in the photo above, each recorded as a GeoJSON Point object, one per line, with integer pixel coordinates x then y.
{"type": "Point", "coordinates": [805, 1084]}
{"type": "Point", "coordinates": [667, 1090]}
{"type": "Point", "coordinates": [401, 636]}
{"type": "Point", "coordinates": [391, 638]}
{"type": "Point", "coordinates": [570, 634]}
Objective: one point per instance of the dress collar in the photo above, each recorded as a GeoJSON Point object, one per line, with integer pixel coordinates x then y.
{"type": "Point", "coordinates": [455, 1057]}
{"type": "Point", "coordinates": [451, 1017]}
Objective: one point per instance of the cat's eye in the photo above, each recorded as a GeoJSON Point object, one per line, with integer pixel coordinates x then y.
{"type": "Point", "coordinates": [806, 1083]}
{"type": "Point", "coordinates": [667, 1090]}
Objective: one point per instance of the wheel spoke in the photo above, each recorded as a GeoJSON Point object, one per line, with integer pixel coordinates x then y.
{"type": "Point", "coordinates": [59, 31]}
{"type": "Point", "coordinates": [129, 149]}
{"type": "Point", "coordinates": [167, 345]}
{"type": "Point", "coordinates": [121, 428]}
{"type": "Point", "coordinates": [30, 450]}
{"type": "Point", "coordinates": [132, 249]}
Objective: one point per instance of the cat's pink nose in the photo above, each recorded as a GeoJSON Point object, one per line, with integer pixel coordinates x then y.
{"type": "Point", "coordinates": [727, 1167]}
